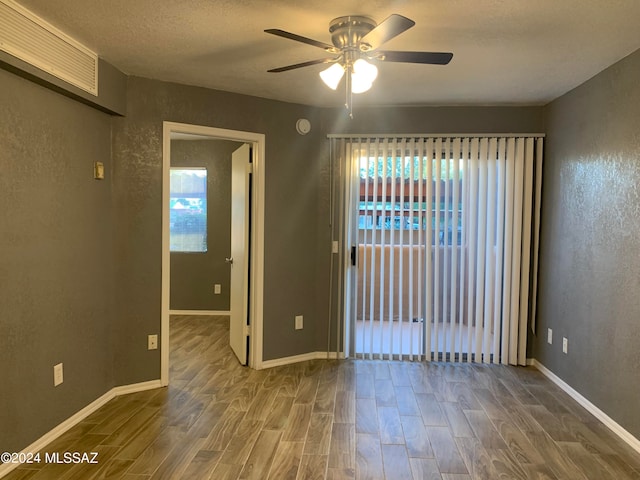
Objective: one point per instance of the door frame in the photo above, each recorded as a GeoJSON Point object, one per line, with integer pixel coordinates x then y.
{"type": "Point", "coordinates": [256, 254]}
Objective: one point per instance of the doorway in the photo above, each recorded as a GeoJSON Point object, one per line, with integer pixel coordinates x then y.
{"type": "Point", "coordinates": [252, 337]}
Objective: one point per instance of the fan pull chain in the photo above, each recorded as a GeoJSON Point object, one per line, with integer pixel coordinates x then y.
{"type": "Point", "coordinates": [349, 94]}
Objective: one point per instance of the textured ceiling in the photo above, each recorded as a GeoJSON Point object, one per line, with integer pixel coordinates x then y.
{"type": "Point", "coordinates": [506, 52]}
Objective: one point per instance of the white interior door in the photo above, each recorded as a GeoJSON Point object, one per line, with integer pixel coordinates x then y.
{"type": "Point", "coordinates": [240, 168]}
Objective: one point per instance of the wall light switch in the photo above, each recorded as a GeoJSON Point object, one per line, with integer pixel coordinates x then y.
{"type": "Point", "coordinates": [98, 171]}
{"type": "Point", "coordinates": [217, 289]}
{"type": "Point", "coordinates": [565, 345]}
{"type": "Point", "coordinates": [58, 375]}
{"type": "Point", "coordinates": [299, 325]}
{"type": "Point", "coordinates": [549, 336]}
{"type": "Point", "coordinates": [334, 246]}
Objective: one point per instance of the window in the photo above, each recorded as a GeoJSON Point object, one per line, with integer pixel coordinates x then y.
{"type": "Point", "coordinates": [385, 196]}
{"type": "Point", "coordinates": [188, 210]}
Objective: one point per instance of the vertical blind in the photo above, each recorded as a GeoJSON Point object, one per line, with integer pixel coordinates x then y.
{"type": "Point", "coordinates": [444, 229]}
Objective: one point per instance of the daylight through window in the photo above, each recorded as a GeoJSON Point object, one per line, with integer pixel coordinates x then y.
{"type": "Point", "coordinates": [188, 210]}
{"type": "Point", "coordinates": [395, 206]}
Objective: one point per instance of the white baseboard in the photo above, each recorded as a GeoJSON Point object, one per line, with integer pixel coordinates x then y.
{"type": "Point", "coordinates": [200, 312]}
{"type": "Point", "coordinates": [632, 441]}
{"type": "Point", "coordinates": [72, 421]}
{"type": "Point", "coordinates": [135, 387]}
{"type": "Point", "coordinates": [300, 358]}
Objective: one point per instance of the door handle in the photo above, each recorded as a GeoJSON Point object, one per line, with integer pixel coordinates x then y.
{"type": "Point", "coordinates": [229, 260]}
{"type": "Point", "coordinates": [354, 256]}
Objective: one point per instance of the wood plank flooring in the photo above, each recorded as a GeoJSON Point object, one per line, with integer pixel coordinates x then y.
{"type": "Point", "coordinates": [338, 420]}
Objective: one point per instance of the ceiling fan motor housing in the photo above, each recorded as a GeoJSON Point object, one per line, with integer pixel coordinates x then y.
{"type": "Point", "coordinates": [346, 33]}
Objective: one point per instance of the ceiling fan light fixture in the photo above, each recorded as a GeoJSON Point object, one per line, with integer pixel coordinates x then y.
{"type": "Point", "coordinates": [359, 84]}
{"type": "Point", "coordinates": [331, 76]}
{"type": "Point", "coordinates": [362, 67]}
{"type": "Point", "coordinates": [355, 38]}
{"type": "Point", "coordinates": [363, 76]}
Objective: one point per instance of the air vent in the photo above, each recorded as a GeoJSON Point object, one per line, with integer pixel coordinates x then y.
{"type": "Point", "coordinates": [32, 40]}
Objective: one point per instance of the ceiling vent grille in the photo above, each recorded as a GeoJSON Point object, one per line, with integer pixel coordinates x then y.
{"type": "Point", "coordinates": [32, 40]}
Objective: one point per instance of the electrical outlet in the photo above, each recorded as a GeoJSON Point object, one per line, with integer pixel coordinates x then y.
{"type": "Point", "coordinates": [549, 336]}
{"type": "Point", "coordinates": [299, 324]}
{"type": "Point", "coordinates": [565, 345]}
{"type": "Point", "coordinates": [58, 375]}
{"type": "Point", "coordinates": [152, 342]}
{"type": "Point", "coordinates": [217, 289]}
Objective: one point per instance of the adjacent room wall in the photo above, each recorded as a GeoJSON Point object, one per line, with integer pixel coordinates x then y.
{"type": "Point", "coordinates": [56, 259]}
{"type": "Point", "coordinates": [193, 275]}
{"type": "Point", "coordinates": [590, 241]}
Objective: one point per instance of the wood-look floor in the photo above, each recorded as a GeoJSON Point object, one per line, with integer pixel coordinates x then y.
{"type": "Point", "coordinates": [338, 420]}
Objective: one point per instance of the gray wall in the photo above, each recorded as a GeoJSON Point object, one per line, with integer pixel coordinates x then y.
{"type": "Point", "coordinates": [437, 120]}
{"type": "Point", "coordinates": [56, 269]}
{"type": "Point", "coordinates": [112, 82]}
{"type": "Point", "coordinates": [193, 275]}
{"type": "Point", "coordinates": [589, 262]}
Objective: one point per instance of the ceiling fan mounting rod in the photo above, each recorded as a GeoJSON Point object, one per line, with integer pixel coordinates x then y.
{"type": "Point", "coordinates": [349, 56]}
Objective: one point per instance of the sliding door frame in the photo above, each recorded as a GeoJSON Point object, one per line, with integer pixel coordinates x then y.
{"type": "Point", "coordinates": [348, 235]}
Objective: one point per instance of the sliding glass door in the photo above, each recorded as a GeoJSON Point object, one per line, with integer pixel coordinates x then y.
{"type": "Point", "coordinates": [438, 232]}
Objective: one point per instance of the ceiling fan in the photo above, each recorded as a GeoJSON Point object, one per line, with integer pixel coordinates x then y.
{"type": "Point", "coordinates": [356, 41]}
